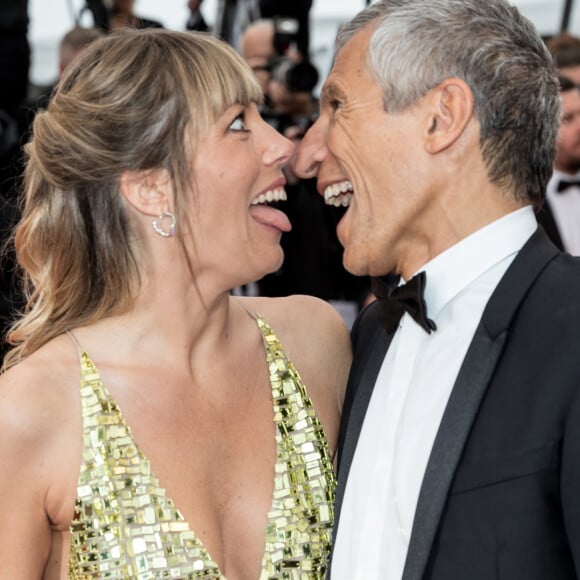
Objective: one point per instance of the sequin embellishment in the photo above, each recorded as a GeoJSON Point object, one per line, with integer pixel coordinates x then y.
{"type": "Point", "coordinates": [125, 527]}
{"type": "Point", "coordinates": [300, 522]}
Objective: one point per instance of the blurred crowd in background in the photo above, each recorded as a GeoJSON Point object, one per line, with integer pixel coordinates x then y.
{"type": "Point", "coordinates": [274, 37]}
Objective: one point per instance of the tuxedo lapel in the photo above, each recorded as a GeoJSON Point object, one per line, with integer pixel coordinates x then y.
{"type": "Point", "coordinates": [455, 425]}
{"type": "Point", "coordinates": [473, 379]}
{"type": "Point", "coordinates": [369, 356]}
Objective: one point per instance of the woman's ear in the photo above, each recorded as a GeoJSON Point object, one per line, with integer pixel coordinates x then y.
{"type": "Point", "coordinates": [451, 108]}
{"type": "Point", "coordinates": [149, 192]}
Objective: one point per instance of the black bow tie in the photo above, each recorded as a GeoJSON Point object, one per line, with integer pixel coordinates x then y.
{"type": "Point", "coordinates": [564, 184]}
{"type": "Point", "coordinates": [394, 300]}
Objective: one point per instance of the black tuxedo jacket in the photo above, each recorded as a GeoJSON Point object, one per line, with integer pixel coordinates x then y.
{"type": "Point", "coordinates": [500, 498]}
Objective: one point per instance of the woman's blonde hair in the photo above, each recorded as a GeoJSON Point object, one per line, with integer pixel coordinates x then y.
{"type": "Point", "coordinates": [132, 101]}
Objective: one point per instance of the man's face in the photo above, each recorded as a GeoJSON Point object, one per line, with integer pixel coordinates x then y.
{"type": "Point", "coordinates": [371, 158]}
{"type": "Point", "coordinates": [568, 141]}
{"type": "Point", "coordinates": [571, 72]}
{"type": "Point", "coordinates": [258, 51]}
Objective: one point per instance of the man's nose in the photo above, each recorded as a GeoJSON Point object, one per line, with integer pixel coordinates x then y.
{"type": "Point", "coordinates": [311, 151]}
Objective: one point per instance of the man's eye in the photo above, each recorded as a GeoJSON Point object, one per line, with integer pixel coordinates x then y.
{"type": "Point", "coordinates": [238, 124]}
{"type": "Point", "coordinates": [335, 104]}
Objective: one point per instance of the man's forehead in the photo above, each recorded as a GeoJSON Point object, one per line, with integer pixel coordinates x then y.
{"type": "Point", "coordinates": [571, 96]}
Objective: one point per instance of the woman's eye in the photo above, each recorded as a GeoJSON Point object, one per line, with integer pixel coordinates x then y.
{"type": "Point", "coordinates": [238, 124]}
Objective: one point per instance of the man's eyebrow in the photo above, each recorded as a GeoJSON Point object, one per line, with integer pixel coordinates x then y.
{"type": "Point", "coordinates": [331, 92]}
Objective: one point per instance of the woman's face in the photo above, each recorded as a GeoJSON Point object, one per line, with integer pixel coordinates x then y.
{"type": "Point", "coordinates": [237, 170]}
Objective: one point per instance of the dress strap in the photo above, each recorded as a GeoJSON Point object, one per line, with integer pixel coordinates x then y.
{"type": "Point", "coordinates": [75, 342]}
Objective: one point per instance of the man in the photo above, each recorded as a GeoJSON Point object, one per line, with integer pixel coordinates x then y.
{"type": "Point", "coordinates": [565, 49]}
{"type": "Point", "coordinates": [560, 214]}
{"type": "Point", "coordinates": [257, 49]}
{"type": "Point", "coordinates": [460, 443]}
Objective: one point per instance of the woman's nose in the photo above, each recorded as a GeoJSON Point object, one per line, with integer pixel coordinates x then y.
{"type": "Point", "coordinates": [279, 150]}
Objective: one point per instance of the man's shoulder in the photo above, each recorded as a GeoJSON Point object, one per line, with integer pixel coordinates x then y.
{"type": "Point", "coordinates": [540, 289]}
{"type": "Point", "coordinates": [561, 278]}
{"type": "Point", "coordinates": [562, 270]}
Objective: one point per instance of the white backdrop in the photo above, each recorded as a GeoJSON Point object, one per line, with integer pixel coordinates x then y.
{"type": "Point", "coordinates": [50, 19]}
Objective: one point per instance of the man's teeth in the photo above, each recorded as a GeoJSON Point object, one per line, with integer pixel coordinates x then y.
{"type": "Point", "coordinates": [277, 194]}
{"type": "Point", "coordinates": [339, 194]}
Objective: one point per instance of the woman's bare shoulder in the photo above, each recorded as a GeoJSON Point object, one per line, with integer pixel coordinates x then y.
{"type": "Point", "coordinates": [315, 338]}
{"type": "Point", "coordinates": [40, 448]}
{"type": "Point", "coordinates": [296, 311]}
{"type": "Point", "coordinates": [36, 393]}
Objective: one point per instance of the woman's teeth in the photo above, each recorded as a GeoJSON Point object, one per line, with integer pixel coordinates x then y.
{"type": "Point", "coordinates": [277, 194]}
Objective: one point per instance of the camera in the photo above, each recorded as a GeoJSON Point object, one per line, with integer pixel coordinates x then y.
{"type": "Point", "coordinates": [286, 31]}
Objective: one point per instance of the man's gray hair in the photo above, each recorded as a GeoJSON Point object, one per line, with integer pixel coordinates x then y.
{"type": "Point", "coordinates": [416, 44]}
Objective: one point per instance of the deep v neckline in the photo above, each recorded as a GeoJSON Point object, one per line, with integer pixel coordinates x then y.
{"type": "Point", "coordinates": [146, 522]}
{"type": "Point", "coordinates": [88, 367]}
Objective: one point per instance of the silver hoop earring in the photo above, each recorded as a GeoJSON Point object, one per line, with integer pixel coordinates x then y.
{"type": "Point", "coordinates": [164, 225]}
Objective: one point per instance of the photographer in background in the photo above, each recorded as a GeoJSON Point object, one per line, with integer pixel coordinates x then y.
{"type": "Point", "coordinates": [257, 49]}
{"type": "Point", "coordinates": [290, 92]}
{"type": "Point", "coordinates": [285, 74]}
{"type": "Point", "coordinates": [312, 253]}
{"type": "Point", "coordinates": [297, 10]}
{"type": "Point", "coordinates": [233, 17]}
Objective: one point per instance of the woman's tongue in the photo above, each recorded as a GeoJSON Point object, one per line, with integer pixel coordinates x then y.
{"type": "Point", "coordinates": [270, 216]}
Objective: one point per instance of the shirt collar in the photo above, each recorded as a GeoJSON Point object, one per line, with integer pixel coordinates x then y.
{"type": "Point", "coordinates": [457, 267]}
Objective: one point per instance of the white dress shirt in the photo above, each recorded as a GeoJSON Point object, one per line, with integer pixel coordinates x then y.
{"type": "Point", "coordinates": [565, 208]}
{"type": "Point", "coordinates": [409, 397]}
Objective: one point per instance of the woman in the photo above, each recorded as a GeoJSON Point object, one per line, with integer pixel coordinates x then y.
{"type": "Point", "coordinates": [192, 448]}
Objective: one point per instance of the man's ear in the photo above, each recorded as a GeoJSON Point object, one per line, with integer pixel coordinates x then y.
{"type": "Point", "coordinates": [450, 109]}
{"type": "Point", "coordinates": [149, 192]}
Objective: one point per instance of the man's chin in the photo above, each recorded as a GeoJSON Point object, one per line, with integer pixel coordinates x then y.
{"type": "Point", "coordinates": [354, 264]}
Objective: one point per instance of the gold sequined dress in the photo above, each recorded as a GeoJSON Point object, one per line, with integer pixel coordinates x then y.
{"type": "Point", "coordinates": [126, 527]}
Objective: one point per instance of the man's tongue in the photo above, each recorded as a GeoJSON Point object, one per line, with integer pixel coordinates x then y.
{"type": "Point", "coordinates": [270, 216]}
